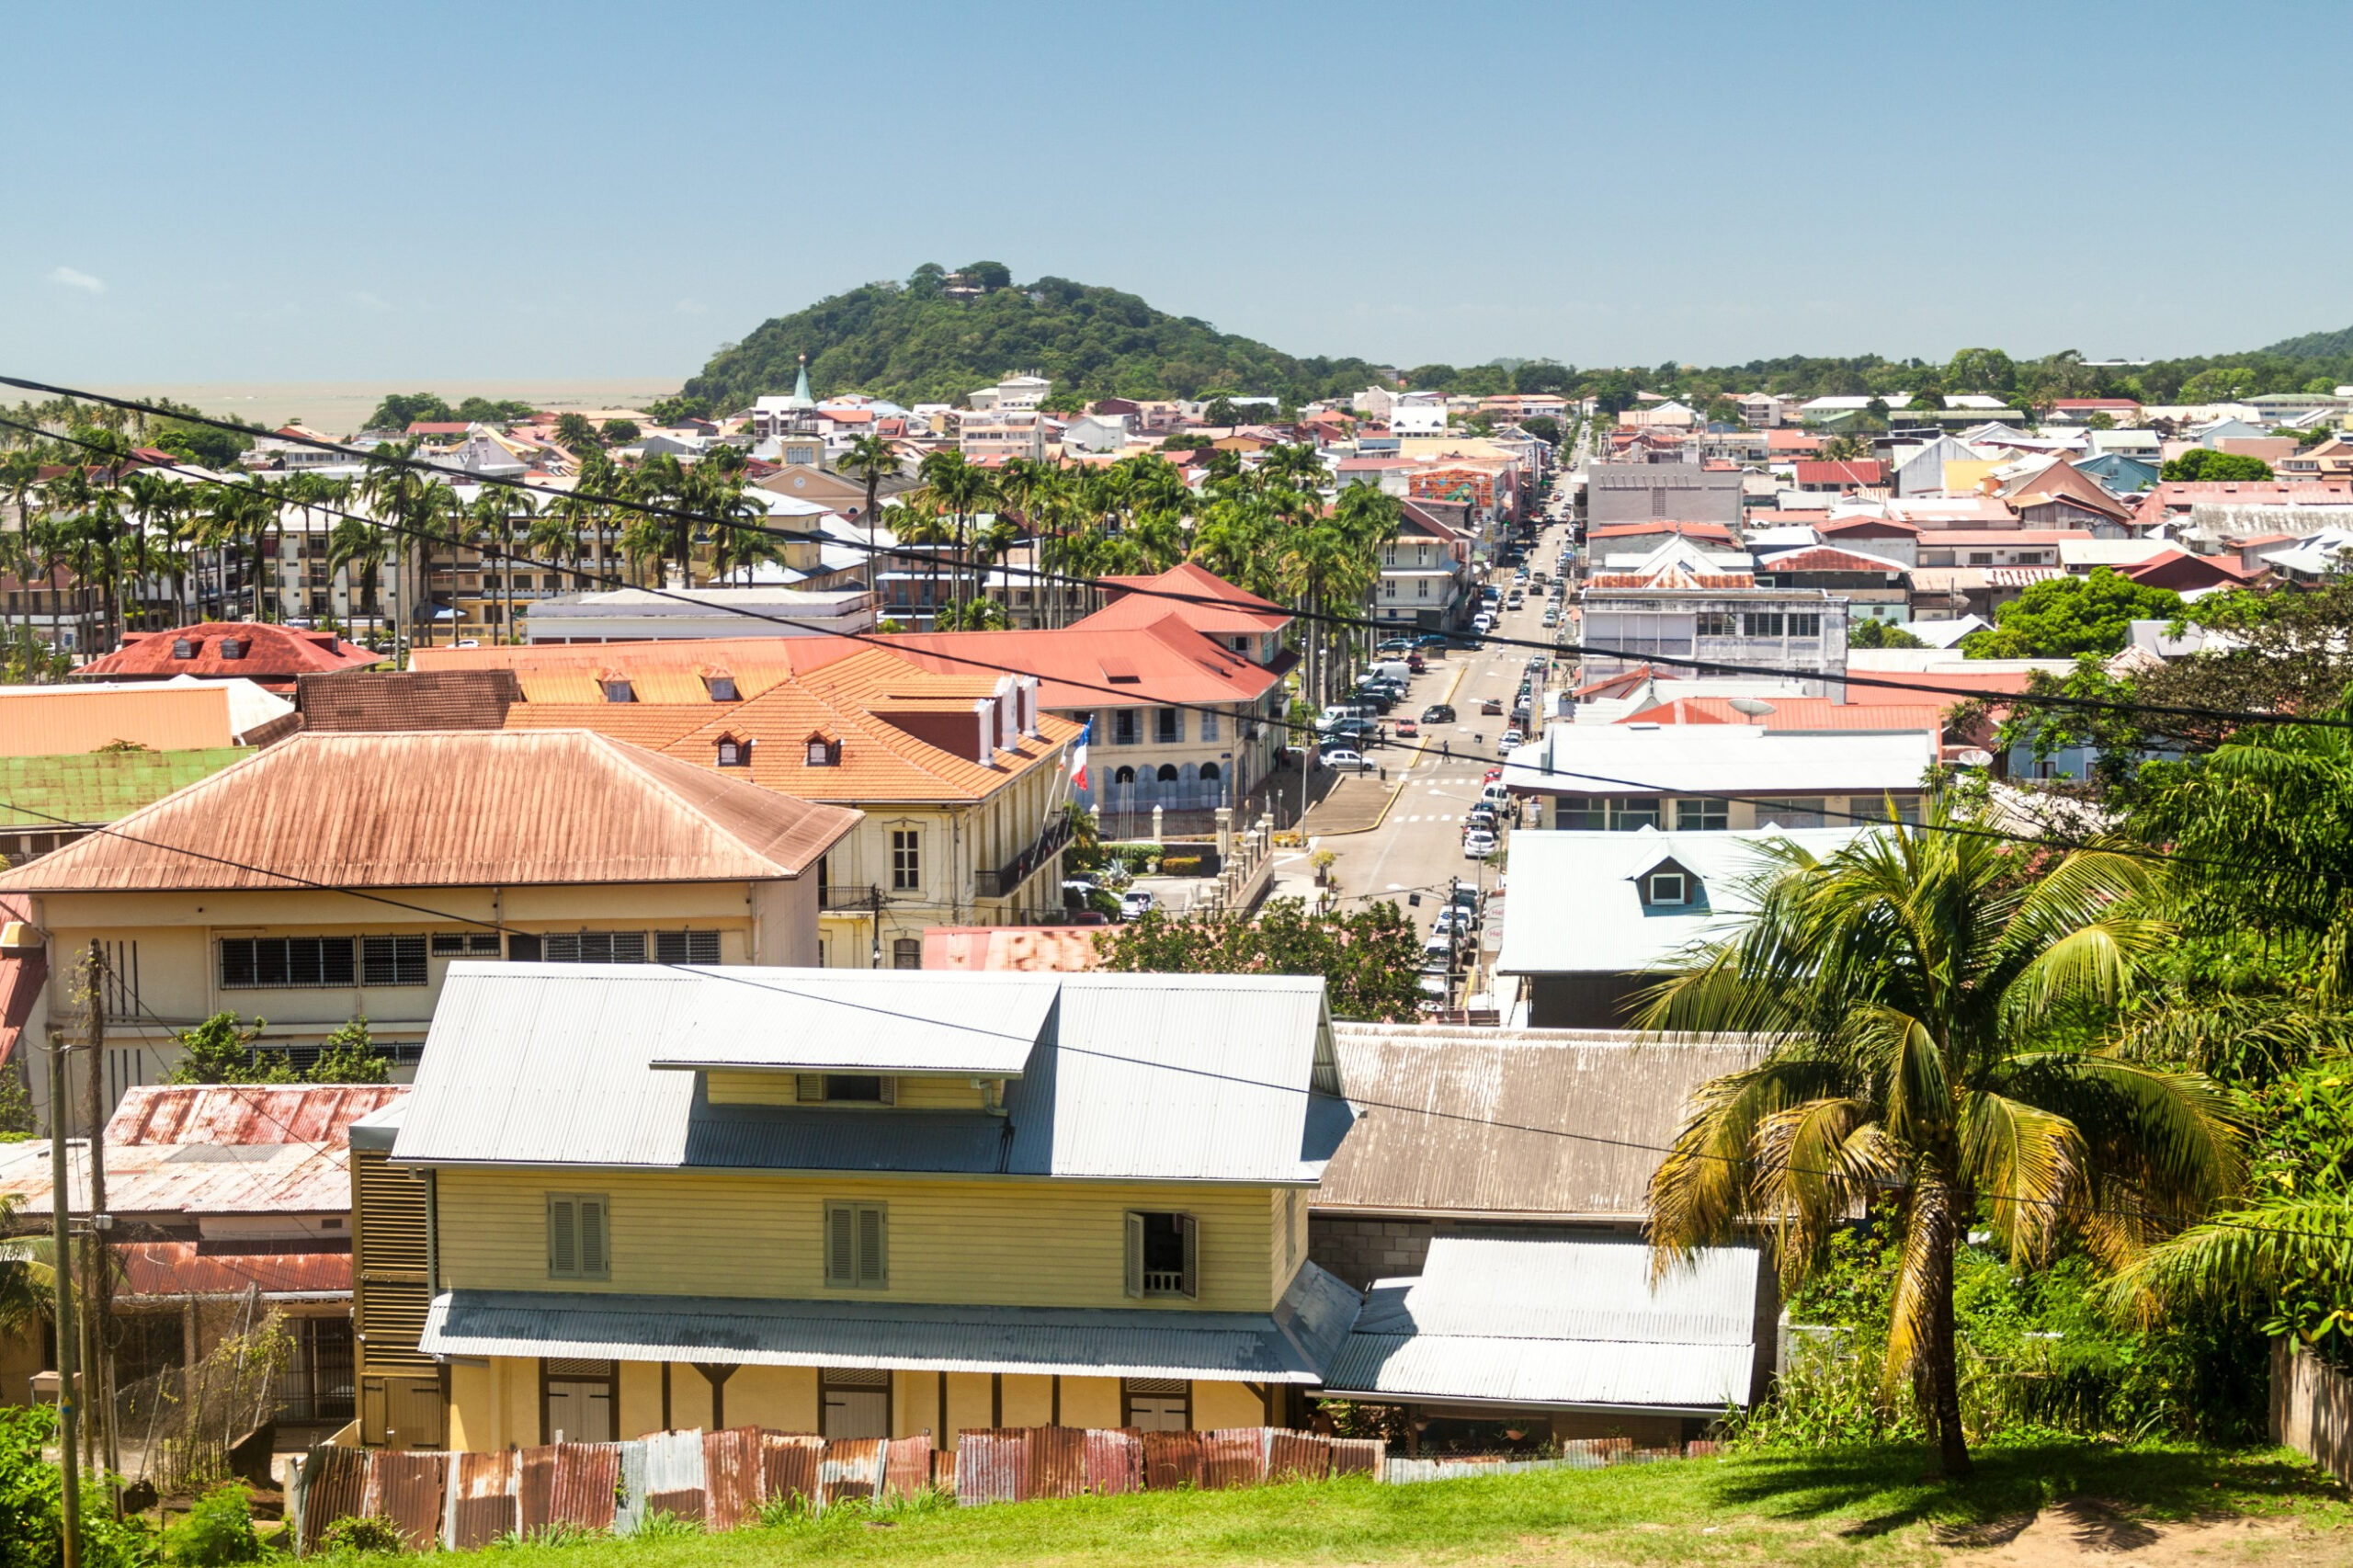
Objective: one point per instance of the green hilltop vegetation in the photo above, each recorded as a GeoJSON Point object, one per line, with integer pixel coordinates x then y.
{"type": "Point", "coordinates": [938, 335]}
{"type": "Point", "coordinates": [918, 342]}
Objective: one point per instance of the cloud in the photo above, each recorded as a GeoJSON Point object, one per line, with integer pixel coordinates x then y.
{"type": "Point", "coordinates": [372, 301]}
{"type": "Point", "coordinates": [690, 307]}
{"type": "Point", "coordinates": [73, 280]}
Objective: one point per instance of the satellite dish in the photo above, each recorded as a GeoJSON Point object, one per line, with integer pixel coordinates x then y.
{"type": "Point", "coordinates": [1755, 708]}
{"type": "Point", "coordinates": [1976, 757]}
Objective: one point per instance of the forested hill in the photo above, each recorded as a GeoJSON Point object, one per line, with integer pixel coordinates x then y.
{"type": "Point", "coordinates": [916, 343]}
{"type": "Point", "coordinates": [2338, 345]}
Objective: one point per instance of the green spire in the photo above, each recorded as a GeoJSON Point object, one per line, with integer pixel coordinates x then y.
{"type": "Point", "coordinates": [800, 396]}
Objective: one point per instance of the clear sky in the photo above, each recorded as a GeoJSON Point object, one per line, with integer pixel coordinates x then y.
{"type": "Point", "coordinates": [432, 192]}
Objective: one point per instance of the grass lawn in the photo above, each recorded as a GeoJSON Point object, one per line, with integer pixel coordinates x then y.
{"type": "Point", "coordinates": [1828, 1509]}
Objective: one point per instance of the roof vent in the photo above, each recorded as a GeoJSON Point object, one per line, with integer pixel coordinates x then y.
{"type": "Point", "coordinates": [183, 648]}
{"type": "Point", "coordinates": [233, 647]}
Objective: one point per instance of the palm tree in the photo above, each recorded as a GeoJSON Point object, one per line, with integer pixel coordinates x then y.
{"type": "Point", "coordinates": [394, 492]}
{"type": "Point", "coordinates": [872, 459]}
{"type": "Point", "coordinates": [356, 548]}
{"type": "Point", "coordinates": [1922, 989]}
{"type": "Point", "coordinates": [961, 489]}
{"type": "Point", "coordinates": [494, 512]}
{"type": "Point", "coordinates": [154, 502]}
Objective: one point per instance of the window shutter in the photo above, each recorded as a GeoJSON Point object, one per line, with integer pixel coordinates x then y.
{"type": "Point", "coordinates": [563, 1257]}
{"type": "Point", "coordinates": [888, 1092]}
{"type": "Point", "coordinates": [872, 1260]}
{"type": "Point", "coordinates": [592, 1238]}
{"type": "Point", "coordinates": [809, 1087]}
{"type": "Point", "coordinates": [841, 1261]}
{"type": "Point", "coordinates": [1134, 1283]}
{"type": "Point", "coordinates": [1192, 1232]}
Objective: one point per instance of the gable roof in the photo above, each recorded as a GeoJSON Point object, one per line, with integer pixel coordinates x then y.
{"type": "Point", "coordinates": [1128, 1076]}
{"type": "Point", "coordinates": [1230, 609]}
{"type": "Point", "coordinates": [1168, 661]}
{"type": "Point", "coordinates": [447, 810]}
{"type": "Point", "coordinates": [1826, 558]}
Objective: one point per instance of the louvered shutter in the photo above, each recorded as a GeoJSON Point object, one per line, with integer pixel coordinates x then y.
{"type": "Point", "coordinates": [808, 1088]}
{"type": "Point", "coordinates": [564, 1255]}
{"type": "Point", "coordinates": [1191, 1229]}
{"type": "Point", "coordinates": [1134, 1281]}
{"type": "Point", "coordinates": [888, 1094]}
{"type": "Point", "coordinates": [592, 1238]}
{"type": "Point", "coordinates": [841, 1244]}
{"type": "Point", "coordinates": [872, 1260]}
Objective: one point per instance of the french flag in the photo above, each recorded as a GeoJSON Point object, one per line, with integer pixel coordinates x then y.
{"type": "Point", "coordinates": [1079, 757]}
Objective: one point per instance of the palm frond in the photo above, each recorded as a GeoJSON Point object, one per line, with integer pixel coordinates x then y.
{"type": "Point", "coordinates": [2026, 1161]}
{"type": "Point", "coordinates": [2242, 1256]}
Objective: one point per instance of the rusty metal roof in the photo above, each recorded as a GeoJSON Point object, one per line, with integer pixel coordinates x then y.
{"type": "Point", "coordinates": [1550, 1122]}
{"type": "Point", "coordinates": [448, 809]}
{"type": "Point", "coordinates": [209, 1269]}
{"type": "Point", "coordinates": [199, 1149]}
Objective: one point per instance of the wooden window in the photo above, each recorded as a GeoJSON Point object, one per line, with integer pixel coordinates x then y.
{"type": "Point", "coordinates": [906, 952]}
{"type": "Point", "coordinates": [733, 752]}
{"type": "Point", "coordinates": [577, 1399]}
{"type": "Point", "coordinates": [1704, 815]}
{"type": "Point", "coordinates": [857, 1246]}
{"type": "Point", "coordinates": [906, 859]}
{"type": "Point", "coordinates": [822, 753]}
{"type": "Point", "coordinates": [1156, 1404]}
{"type": "Point", "coordinates": [577, 1230]}
{"type": "Point", "coordinates": [1163, 1255]}
{"type": "Point", "coordinates": [1167, 725]}
{"type": "Point", "coordinates": [845, 1088]}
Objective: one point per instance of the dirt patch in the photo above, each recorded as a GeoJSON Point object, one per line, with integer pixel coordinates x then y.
{"type": "Point", "coordinates": [2085, 1531]}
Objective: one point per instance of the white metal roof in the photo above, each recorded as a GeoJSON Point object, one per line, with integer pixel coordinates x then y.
{"type": "Point", "coordinates": [1293, 1343]}
{"type": "Point", "coordinates": [1575, 906]}
{"type": "Point", "coordinates": [1716, 759]}
{"type": "Point", "coordinates": [1559, 1321]}
{"type": "Point", "coordinates": [1141, 1077]}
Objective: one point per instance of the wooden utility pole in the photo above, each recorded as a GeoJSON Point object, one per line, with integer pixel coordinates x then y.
{"type": "Point", "coordinates": [60, 1200]}
{"type": "Point", "coordinates": [99, 1295]}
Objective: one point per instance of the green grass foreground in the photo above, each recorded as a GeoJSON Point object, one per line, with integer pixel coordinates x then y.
{"type": "Point", "coordinates": [1830, 1509]}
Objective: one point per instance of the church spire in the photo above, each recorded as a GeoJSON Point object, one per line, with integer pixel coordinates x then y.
{"type": "Point", "coordinates": [800, 397]}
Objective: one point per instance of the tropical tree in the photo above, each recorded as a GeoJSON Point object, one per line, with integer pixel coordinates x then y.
{"type": "Point", "coordinates": [1925, 992]}
{"type": "Point", "coordinates": [496, 512]}
{"type": "Point", "coordinates": [356, 548]}
{"type": "Point", "coordinates": [397, 493]}
{"type": "Point", "coordinates": [873, 459]}
{"type": "Point", "coordinates": [961, 489]}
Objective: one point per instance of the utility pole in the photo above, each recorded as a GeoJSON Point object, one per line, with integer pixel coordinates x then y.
{"type": "Point", "coordinates": [60, 1199]}
{"type": "Point", "coordinates": [99, 1294]}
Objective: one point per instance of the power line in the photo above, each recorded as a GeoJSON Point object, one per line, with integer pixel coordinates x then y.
{"type": "Point", "coordinates": [648, 507]}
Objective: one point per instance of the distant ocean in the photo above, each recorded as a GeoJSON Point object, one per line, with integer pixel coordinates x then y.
{"type": "Point", "coordinates": [341, 407]}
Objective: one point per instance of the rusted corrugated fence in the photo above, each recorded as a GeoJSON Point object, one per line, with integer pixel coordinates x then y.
{"type": "Point", "coordinates": [721, 1479]}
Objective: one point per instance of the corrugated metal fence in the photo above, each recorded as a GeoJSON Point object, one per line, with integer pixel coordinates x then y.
{"type": "Point", "coordinates": [721, 1479]}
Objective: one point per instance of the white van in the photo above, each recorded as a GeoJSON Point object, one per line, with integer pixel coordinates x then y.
{"type": "Point", "coordinates": [1391, 669]}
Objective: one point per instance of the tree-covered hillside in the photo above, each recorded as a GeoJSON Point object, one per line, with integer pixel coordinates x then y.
{"type": "Point", "coordinates": [917, 342]}
{"type": "Point", "coordinates": [2338, 345]}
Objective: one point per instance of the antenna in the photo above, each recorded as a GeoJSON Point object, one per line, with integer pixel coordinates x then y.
{"type": "Point", "coordinates": [1755, 708]}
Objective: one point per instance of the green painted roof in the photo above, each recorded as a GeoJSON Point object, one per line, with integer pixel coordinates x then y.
{"type": "Point", "coordinates": [100, 786]}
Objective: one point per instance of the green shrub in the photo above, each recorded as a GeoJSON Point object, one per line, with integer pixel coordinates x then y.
{"type": "Point", "coordinates": [217, 1531]}
{"type": "Point", "coordinates": [1180, 865]}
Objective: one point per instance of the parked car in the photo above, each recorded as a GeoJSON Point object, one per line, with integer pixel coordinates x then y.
{"type": "Point", "coordinates": [1491, 775]}
{"type": "Point", "coordinates": [1512, 737]}
{"type": "Point", "coordinates": [1348, 731]}
{"type": "Point", "coordinates": [1398, 645]}
{"type": "Point", "coordinates": [1552, 615]}
{"type": "Point", "coordinates": [1135, 903]}
{"type": "Point", "coordinates": [1521, 716]}
{"type": "Point", "coordinates": [1435, 983]}
{"type": "Point", "coordinates": [1452, 921]}
{"type": "Point", "coordinates": [1438, 950]}
{"type": "Point", "coordinates": [1493, 791]}
{"type": "Point", "coordinates": [1438, 713]}
{"type": "Point", "coordinates": [1478, 846]}
{"type": "Point", "coordinates": [1415, 663]}
{"type": "Point", "coordinates": [1493, 706]}
{"type": "Point", "coordinates": [1344, 760]}
{"type": "Point", "coordinates": [1430, 640]}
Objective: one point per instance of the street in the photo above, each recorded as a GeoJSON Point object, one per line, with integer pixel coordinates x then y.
{"type": "Point", "coordinates": [1417, 845]}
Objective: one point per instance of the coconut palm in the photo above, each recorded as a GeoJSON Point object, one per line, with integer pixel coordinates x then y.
{"type": "Point", "coordinates": [1922, 990]}
{"type": "Point", "coordinates": [496, 512]}
{"type": "Point", "coordinates": [872, 459]}
{"type": "Point", "coordinates": [962, 491]}
{"type": "Point", "coordinates": [356, 548]}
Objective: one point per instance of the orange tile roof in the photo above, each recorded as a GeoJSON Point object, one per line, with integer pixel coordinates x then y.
{"type": "Point", "coordinates": [1799, 713]}
{"type": "Point", "coordinates": [1163, 660]}
{"type": "Point", "coordinates": [1236, 609]}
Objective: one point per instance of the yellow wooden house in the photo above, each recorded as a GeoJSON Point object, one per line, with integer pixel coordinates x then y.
{"type": "Point", "coordinates": [861, 1203]}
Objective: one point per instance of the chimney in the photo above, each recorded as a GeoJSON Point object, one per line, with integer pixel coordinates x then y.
{"type": "Point", "coordinates": [985, 736]}
{"type": "Point", "coordinates": [1028, 688]}
{"type": "Point", "coordinates": [1008, 713]}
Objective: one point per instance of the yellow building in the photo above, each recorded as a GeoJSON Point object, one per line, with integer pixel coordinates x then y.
{"type": "Point", "coordinates": [957, 771]}
{"type": "Point", "coordinates": [339, 876]}
{"type": "Point", "coordinates": [862, 1204]}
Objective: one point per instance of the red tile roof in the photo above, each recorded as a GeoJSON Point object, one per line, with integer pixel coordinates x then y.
{"type": "Point", "coordinates": [1800, 713]}
{"type": "Point", "coordinates": [1866, 470]}
{"type": "Point", "coordinates": [272, 655]}
{"type": "Point", "coordinates": [1233, 609]}
{"type": "Point", "coordinates": [1164, 660]}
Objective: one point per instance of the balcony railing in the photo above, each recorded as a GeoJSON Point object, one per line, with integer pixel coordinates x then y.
{"type": "Point", "coordinates": [1001, 883]}
{"type": "Point", "coordinates": [851, 895]}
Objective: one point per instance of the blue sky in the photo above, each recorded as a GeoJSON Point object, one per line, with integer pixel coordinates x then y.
{"type": "Point", "coordinates": [231, 192]}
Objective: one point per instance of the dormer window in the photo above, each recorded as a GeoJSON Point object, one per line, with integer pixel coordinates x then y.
{"type": "Point", "coordinates": [822, 751]}
{"type": "Point", "coordinates": [846, 1089]}
{"type": "Point", "coordinates": [723, 688]}
{"type": "Point", "coordinates": [183, 648]}
{"type": "Point", "coordinates": [232, 647]}
{"type": "Point", "coordinates": [733, 752]}
{"type": "Point", "coordinates": [618, 690]}
{"type": "Point", "coordinates": [1669, 887]}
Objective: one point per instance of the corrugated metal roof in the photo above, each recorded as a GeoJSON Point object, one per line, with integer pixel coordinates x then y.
{"type": "Point", "coordinates": [861, 1021]}
{"type": "Point", "coordinates": [1291, 1345]}
{"type": "Point", "coordinates": [99, 786]}
{"type": "Point", "coordinates": [1559, 1321]}
{"type": "Point", "coordinates": [1155, 1077]}
{"type": "Point", "coordinates": [448, 809]}
{"type": "Point", "coordinates": [63, 721]}
{"type": "Point", "coordinates": [204, 1268]}
{"type": "Point", "coordinates": [1553, 1122]}
{"type": "Point", "coordinates": [212, 1149]}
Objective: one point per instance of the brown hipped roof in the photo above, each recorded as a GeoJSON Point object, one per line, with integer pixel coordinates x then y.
{"type": "Point", "coordinates": [442, 809]}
